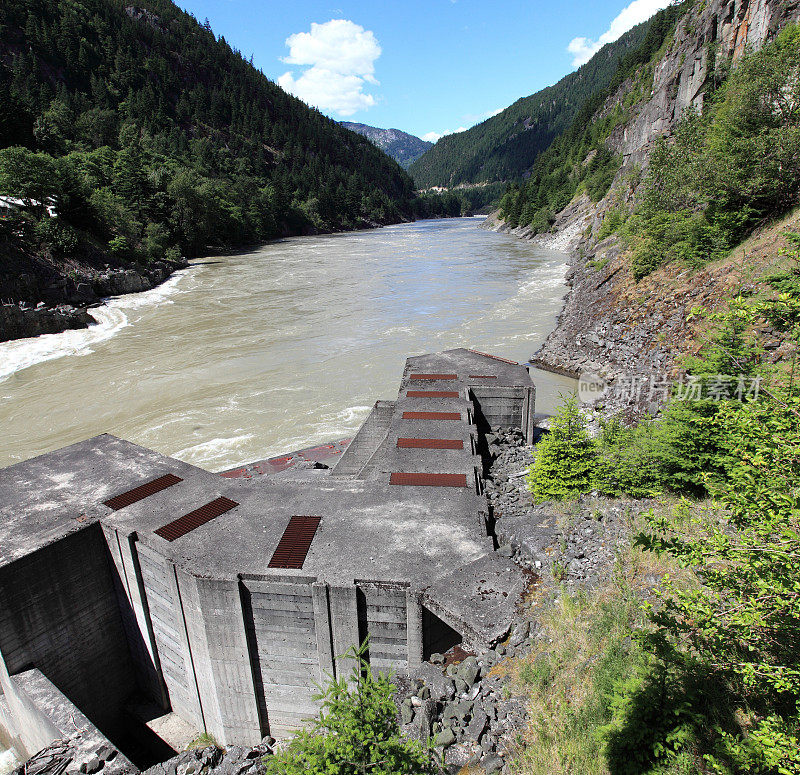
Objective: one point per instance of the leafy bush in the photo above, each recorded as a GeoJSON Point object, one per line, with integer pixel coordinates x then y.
{"type": "Point", "coordinates": [614, 218]}
{"type": "Point", "coordinates": [784, 312]}
{"type": "Point", "coordinates": [356, 732]}
{"type": "Point", "coordinates": [629, 460]}
{"type": "Point", "coordinates": [56, 235]}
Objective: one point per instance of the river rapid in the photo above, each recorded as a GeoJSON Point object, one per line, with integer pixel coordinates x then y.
{"type": "Point", "coordinates": [245, 356]}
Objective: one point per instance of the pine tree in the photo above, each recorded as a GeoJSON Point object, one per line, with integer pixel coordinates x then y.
{"type": "Point", "coordinates": [566, 458]}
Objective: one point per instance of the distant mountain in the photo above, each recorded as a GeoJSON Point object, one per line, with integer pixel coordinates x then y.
{"type": "Point", "coordinates": [157, 127]}
{"type": "Point", "coordinates": [504, 147]}
{"type": "Point", "coordinates": [404, 148]}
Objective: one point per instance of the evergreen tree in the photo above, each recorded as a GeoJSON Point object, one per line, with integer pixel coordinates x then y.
{"type": "Point", "coordinates": [566, 458]}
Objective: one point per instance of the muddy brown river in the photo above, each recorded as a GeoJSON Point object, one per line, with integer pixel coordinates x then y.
{"type": "Point", "coordinates": [245, 356]}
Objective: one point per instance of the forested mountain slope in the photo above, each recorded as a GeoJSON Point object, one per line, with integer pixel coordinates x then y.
{"type": "Point", "coordinates": [154, 138]}
{"type": "Point", "coordinates": [656, 188]}
{"type": "Point", "coordinates": [503, 147]}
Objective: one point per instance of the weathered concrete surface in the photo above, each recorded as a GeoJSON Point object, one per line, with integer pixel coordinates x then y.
{"type": "Point", "coordinates": [478, 599]}
{"type": "Point", "coordinates": [45, 715]}
{"type": "Point", "coordinates": [236, 647]}
{"type": "Point", "coordinates": [44, 499]}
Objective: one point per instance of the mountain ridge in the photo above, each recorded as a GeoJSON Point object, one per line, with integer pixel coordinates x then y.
{"type": "Point", "coordinates": [403, 147]}
{"type": "Point", "coordinates": [504, 146]}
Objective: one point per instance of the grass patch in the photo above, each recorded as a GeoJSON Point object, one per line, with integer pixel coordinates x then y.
{"type": "Point", "coordinates": [573, 678]}
{"type": "Point", "coordinates": [203, 740]}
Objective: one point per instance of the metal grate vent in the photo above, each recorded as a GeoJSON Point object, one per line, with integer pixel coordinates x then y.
{"type": "Point", "coordinates": [295, 543]}
{"type": "Point", "coordinates": [430, 444]}
{"type": "Point", "coordinates": [483, 376]}
{"type": "Point", "coordinates": [194, 519]}
{"type": "Point", "coordinates": [429, 480]}
{"type": "Point", "coordinates": [433, 376]}
{"type": "Point", "coordinates": [432, 393]}
{"type": "Point", "coordinates": [143, 491]}
{"type": "Point", "coordinates": [431, 415]}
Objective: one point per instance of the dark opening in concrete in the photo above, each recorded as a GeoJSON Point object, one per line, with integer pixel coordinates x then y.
{"type": "Point", "coordinates": [437, 636]}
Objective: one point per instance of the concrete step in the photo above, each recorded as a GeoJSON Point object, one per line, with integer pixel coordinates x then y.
{"type": "Point", "coordinates": [366, 441]}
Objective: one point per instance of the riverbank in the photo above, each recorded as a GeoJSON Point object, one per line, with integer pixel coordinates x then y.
{"type": "Point", "coordinates": [49, 301]}
{"type": "Point", "coordinates": [39, 296]}
{"type": "Point", "coordinates": [634, 335]}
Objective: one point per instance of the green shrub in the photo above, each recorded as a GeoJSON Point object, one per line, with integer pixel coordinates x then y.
{"type": "Point", "coordinates": [630, 460]}
{"type": "Point", "coordinates": [57, 236]}
{"type": "Point", "coordinates": [614, 218]}
{"type": "Point", "coordinates": [566, 458]}
{"type": "Point", "coordinates": [119, 246]}
{"type": "Point", "coordinates": [356, 732]}
{"type": "Point", "coordinates": [542, 220]}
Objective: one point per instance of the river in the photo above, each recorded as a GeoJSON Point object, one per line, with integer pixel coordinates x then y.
{"type": "Point", "coordinates": [8, 760]}
{"type": "Point", "coordinates": [249, 355]}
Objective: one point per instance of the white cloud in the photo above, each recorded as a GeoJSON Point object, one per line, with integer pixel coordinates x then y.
{"type": "Point", "coordinates": [340, 56]}
{"type": "Point", "coordinates": [583, 49]}
{"type": "Point", "coordinates": [432, 137]}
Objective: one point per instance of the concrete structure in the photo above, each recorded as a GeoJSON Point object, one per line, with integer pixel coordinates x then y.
{"type": "Point", "coordinates": [226, 599]}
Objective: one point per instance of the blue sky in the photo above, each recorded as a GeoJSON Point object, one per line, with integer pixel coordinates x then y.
{"type": "Point", "coordinates": [427, 67]}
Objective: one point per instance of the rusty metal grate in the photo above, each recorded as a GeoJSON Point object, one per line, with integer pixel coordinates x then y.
{"type": "Point", "coordinates": [430, 444]}
{"type": "Point", "coordinates": [432, 394]}
{"type": "Point", "coordinates": [495, 357]}
{"type": "Point", "coordinates": [143, 491]}
{"type": "Point", "coordinates": [194, 519]}
{"type": "Point", "coordinates": [431, 415]}
{"type": "Point", "coordinates": [483, 376]}
{"type": "Point", "coordinates": [295, 543]}
{"type": "Point", "coordinates": [429, 480]}
{"type": "Point", "coordinates": [433, 376]}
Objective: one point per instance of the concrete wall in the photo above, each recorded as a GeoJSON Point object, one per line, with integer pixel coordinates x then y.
{"type": "Point", "coordinates": [59, 613]}
{"type": "Point", "coordinates": [166, 618]}
{"type": "Point", "coordinates": [239, 658]}
{"type": "Point", "coordinates": [507, 407]}
{"type": "Point", "coordinates": [383, 616]}
{"type": "Point", "coordinates": [280, 621]}
{"type": "Point", "coordinates": [23, 725]}
{"type": "Point", "coordinates": [134, 610]}
{"type": "Point", "coordinates": [40, 714]}
{"type": "Point", "coordinates": [366, 441]}
{"type": "Point", "coordinates": [214, 616]}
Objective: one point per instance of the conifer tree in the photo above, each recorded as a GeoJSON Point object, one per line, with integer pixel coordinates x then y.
{"type": "Point", "coordinates": [566, 458]}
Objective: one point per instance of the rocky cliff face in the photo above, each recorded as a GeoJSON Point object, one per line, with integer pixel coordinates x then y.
{"type": "Point", "coordinates": [610, 324]}
{"type": "Point", "coordinates": [404, 148]}
{"type": "Point", "coordinates": [712, 33]}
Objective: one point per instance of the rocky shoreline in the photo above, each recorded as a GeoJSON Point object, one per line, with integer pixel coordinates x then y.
{"type": "Point", "coordinates": [629, 335]}
{"type": "Point", "coordinates": [62, 301]}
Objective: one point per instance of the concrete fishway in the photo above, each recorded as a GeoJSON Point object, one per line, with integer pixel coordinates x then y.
{"type": "Point", "coordinates": [226, 599]}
